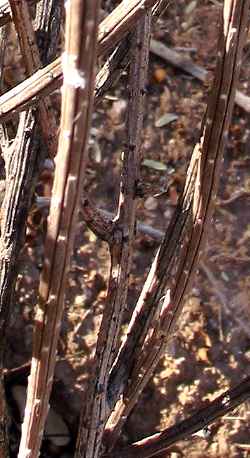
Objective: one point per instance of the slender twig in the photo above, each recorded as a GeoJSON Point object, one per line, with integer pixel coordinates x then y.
{"type": "Point", "coordinates": [96, 409]}
{"type": "Point", "coordinates": [30, 52]}
{"type": "Point", "coordinates": [21, 165]}
{"type": "Point", "coordinates": [160, 442]}
{"type": "Point", "coordinates": [171, 277]}
{"type": "Point", "coordinates": [111, 71]}
{"type": "Point", "coordinates": [119, 59]}
{"type": "Point", "coordinates": [22, 162]}
{"type": "Point", "coordinates": [46, 80]}
{"type": "Point", "coordinates": [4, 137]}
{"type": "Point", "coordinates": [77, 102]}
{"type": "Point", "coordinates": [177, 60]}
{"type": "Point", "coordinates": [5, 11]}
{"type": "Point", "coordinates": [111, 30]}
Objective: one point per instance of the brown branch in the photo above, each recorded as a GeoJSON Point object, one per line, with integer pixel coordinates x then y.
{"type": "Point", "coordinates": [5, 11]}
{"type": "Point", "coordinates": [21, 164]}
{"type": "Point", "coordinates": [119, 59]}
{"type": "Point", "coordinates": [101, 225]}
{"type": "Point", "coordinates": [96, 408]}
{"type": "Point", "coordinates": [44, 81]}
{"type": "Point", "coordinates": [30, 52]}
{"type": "Point", "coordinates": [4, 137]}
{"type": "Point", "coordinates": [160, 442]}
{"type": "Point", "coordinates": [47, 26]}
{"type": "Point", "coordinates": [77, 102]}
{"type": "Point", "coordinates": [111, 71]}
{"type": "Point", "coordinates": [176, 261]}
{"type": "Point", "coordinates": [177, 60]}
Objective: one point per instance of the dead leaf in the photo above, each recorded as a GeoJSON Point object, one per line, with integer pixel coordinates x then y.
{"type": "Point", "coordinates": [166, 119]}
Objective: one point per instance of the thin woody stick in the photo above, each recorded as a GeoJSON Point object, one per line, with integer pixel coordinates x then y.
{"type": "Point", "coordinates": [46, 80]}
{"type": "Point", "coordinates": [111, 30]}
{"type": "Point", "coordinates": [96, 409]}
{"type": "Point", "coordinates": [177, 276]}
{"type": "Point", "coordinates": [30, 52]}
{"type": "Point", "coordinates": [160, 442]}
{"type": "Point", "coordinates": [22, 160]}
{"type": "Point", "coordinates": [77, 102]}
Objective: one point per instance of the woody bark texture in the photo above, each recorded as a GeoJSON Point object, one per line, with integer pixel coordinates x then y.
{"type": "Point", "coordinates": [22, 162]}
{"type": "Point", "coordinates": [96, 406]}
{"type": "Point", "coordinates": [111, 30]}
{"type": "Point", "coordinates": [77, 101]}
{"type": "Point", "coordinates": [176, 261]}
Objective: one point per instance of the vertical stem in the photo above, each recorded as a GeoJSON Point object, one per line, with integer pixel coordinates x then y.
{"type": "Point", "coordinates": [97, 409]}
{"type": "Point", "coordinates": [77, 101]}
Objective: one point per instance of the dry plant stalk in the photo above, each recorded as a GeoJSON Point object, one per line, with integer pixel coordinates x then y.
{"type": "Point", "coordinates": [20, 165]}
{"type": "Point", "coordinates": [22, 162]}
{"type": "Point", "coordinates": [44, 81]}
{"type": "Point", "coordinates": [30, 52]}
{"type": "Point", "coordinates": [5, 11]}
{"type": "Point", "coordinates": [177, 258]}
{"type": "Point", "coordinates": [96, 406]}
{"type": "Point", "coordinates": [160, 442]}
{"type": "Point", "coordinates": [77, 101]}
{"type": "Point", "coordinates": [118, 61]}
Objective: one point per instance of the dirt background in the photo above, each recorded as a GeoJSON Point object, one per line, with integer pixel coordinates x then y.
{"type": "Point", "coordinates": [210, 351]}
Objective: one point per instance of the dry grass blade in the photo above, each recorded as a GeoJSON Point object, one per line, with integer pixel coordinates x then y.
{"type": "Point", "coordinates": [96, 412]}
{"type": "Point", "coordinates": [43, 82]}
{"type": "Point", "coordinates": [77, 101]}
{"type": "Point", "coordinates": [177, 259]}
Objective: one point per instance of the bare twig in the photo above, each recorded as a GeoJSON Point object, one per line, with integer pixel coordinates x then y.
{"type": "Point", "coordinates": [176, 261]}
{"type": "Point", "coordinates": [111, 71]}
{"type": "Point", "coordinates": [119, 59]}
{"type": "Point", "coordinates": [30, 52]}
{"type": "Point", "coordinates": [111, 30]}
{"type": "Point", "coordinates": [77, 101]}
{"type": "Point", "coordinates": [5, 11]}
{"type": "Point", "coordinates": [160, 442]}
{"type": "Point", "coordinates": [96, 410]}
{"type": "Point", "coordinates": [4, 138]}
{"type": "Point", "coordinates": [177, 60]}
{"type": "Point", "coordinates": [21, 164]}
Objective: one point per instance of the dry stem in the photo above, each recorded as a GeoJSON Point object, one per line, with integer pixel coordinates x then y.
{"type": "Point", "coordinates": [176, 261]}
{"type": "Point", "coordinates": [21, 162]}
{"type": "Point", "coordinates": [111, 30]}
{"type": "Point", "coordinates": [30, 52]}
{"type": "Point", "coordinates": [160, 442]}
{"type": "Point", "coordinates": [77, 101]}
{"type": "Point", "coordinates": [96, 410]}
